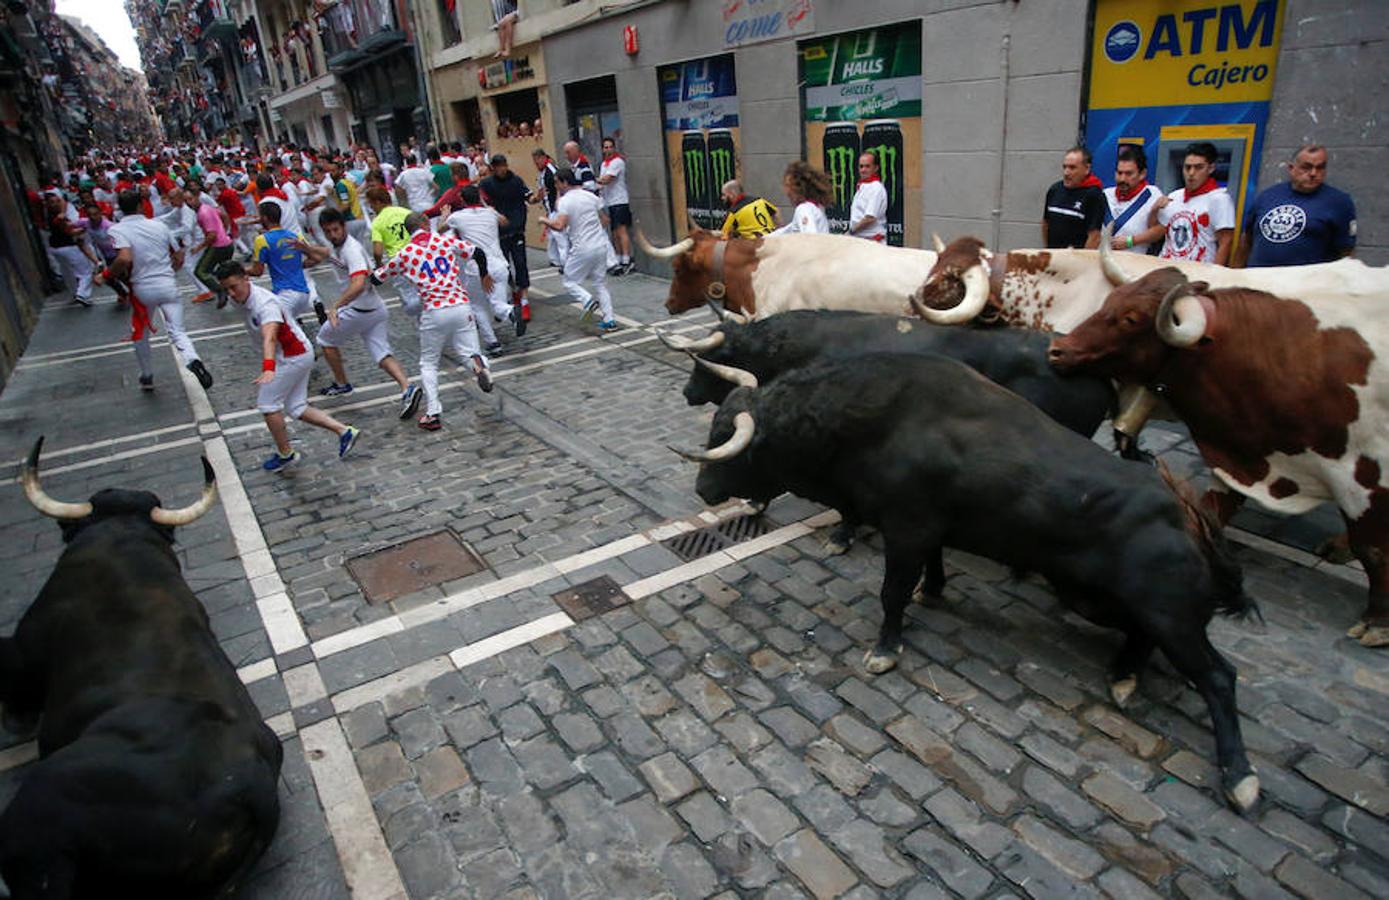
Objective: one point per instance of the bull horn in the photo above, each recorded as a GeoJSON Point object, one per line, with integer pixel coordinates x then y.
{"type": "Point", "coordinates": [662, 252]}
{"type": "Point", "coordinates": [976, 295]}
{"type": "Point", "coordinates": [45, 504]}
{"type": "Point", "coordinates": [1113, 270]}
{"type": "Point", "coordinates": [936, 243]}
{"type": "Point", "coordinates": [729, 373]}
{"type": "Point", "coordinates": [187, 514]}
{"type": "Point", "coordinates": [1181, 320]}
{"type": "Point", "coordinates": [743, 428]}
{"type": "Point", "coordinates": [727, 315]}
{"type": "Point", "coordinates": [684, 345]}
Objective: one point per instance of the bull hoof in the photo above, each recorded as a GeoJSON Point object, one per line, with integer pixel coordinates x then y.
{"type": "Point", "coordinates": [1357, 631]}
{"type": "Point", "coordinates": [1375, 636]}
{"type": "Point", "coordinates": [1336, 549]}
{"type": "Point", "coordinates": [758, 507]}
{"type": "Point", "coordinates": [876, 662]}
{"type": "Point", "coordinates": [1244, 794]}
{"type": "Point", "coordinates": [835, 547]}
{"type": "Point", "coordinates": [1121, 691]}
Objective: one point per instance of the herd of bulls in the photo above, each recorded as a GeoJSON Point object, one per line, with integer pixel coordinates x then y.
{"type": "Point", "coordinates": [948, 398]}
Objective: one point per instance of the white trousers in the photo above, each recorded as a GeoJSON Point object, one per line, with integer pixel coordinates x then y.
{"type": "Point", "coordinates": [76, 270]}
{"type": "Point", "coordinates": [369, 326]}
{"type": "Point", "coordinates": [171, 311]}
{"type": "Point", "coordinates": [489, 306]}
{"type": "Point", "coordinates": [591, 265]}
{"type": "Point", "coordinates": [448, 326]}
{"type": "Point", "coordinates": [556, 246]}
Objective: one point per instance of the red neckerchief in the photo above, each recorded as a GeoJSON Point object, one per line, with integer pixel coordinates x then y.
{"type": "Point", "coordinates": [1091, 180]}
{"type": "Point", "coordinates": [869, 179]}
{"type": "Point", "coordinates": [275, 192]}
{"type": "Point", "coordinates": [1206, 188]}
{"type": "Point", "coordinates": [1126, 196]}
{"type": "Point", "coordinates": [583, 160]}
{"type": "Point", "coordinates": [615, 155]}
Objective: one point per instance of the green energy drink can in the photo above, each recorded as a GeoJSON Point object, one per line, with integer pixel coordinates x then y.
{"type": "Point", "coordinates": [883, 138]}
{"type": "Point", "coordinates": [841, 150]}
{"type": "Point", "coordinates": [694, 154]}
{"type": "Point", "coordinates": [723, 166]}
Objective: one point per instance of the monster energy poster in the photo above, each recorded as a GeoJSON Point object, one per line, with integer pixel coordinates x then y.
{"type": "Point", "coordinates": [863, 95]}
{"type": "Point", "coordinates": [700, 109]}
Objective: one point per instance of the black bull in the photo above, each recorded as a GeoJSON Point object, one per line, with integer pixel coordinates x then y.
{"type": "Point", "coordinates": [934, 455]}
{"type": "Point", "coordinates": [1015, 358]}
{"type": "Point", "coordinates": [157, 777]}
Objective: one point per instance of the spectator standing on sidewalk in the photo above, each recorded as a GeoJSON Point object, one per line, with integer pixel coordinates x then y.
{"type": "Point", "coordinates": [809, 189]}
{"type": "Point", "coordinates": [612, 187]}
{"type": "Point", "coordinates": [1129, 203]}
{"type": "Point", "coordinates": [1073, 212]}
{"type": "Point", "coordinates": [1198, 219]}
{"type": "Point", "coordinates": [868, 212]}
{"type": "Point", "coordinates": [1300, 221]}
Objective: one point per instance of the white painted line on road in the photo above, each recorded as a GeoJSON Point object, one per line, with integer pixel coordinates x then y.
{"type": "Point", "coordinates": [257, 671]}
{"type": "Point", "coordinates": [420, 673]}
{"type": "Point", "coordinates": [506, 640]}
{"type": "Point", "coordinates": [367, 864]}
{"type": "Point", "coordinates": [365, 634]}
{"type": "Point", "coordinates": [49, 453]}
{"type": "Point", "coordinates": [304, 685]}
{"type": "Point", "coordinates": [117, 457]}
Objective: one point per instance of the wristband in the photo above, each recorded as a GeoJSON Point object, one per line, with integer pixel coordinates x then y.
{"type": "Point", "coordinates": [1130, 244]}
{"type": "Point", "coordinates": [267, 365]}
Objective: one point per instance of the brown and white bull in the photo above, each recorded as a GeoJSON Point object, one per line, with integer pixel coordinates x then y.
{"type": "Point", "coordinates": [759, 277]}
{"type": "Point", "coordinates": [1286, 394]}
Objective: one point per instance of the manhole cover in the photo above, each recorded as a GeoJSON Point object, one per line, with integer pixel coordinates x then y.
{"type": "Point", "coordinates": [711, 538]}
{"type": "Point", "coordinates": [592, 598]}
{"type": "Point", "coordinates": [413, 566]}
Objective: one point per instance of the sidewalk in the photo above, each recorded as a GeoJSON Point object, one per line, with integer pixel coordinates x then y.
{"type": "Point", "coordinates": [595, 712]}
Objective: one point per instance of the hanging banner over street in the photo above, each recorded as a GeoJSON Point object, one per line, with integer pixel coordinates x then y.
{"type": "Point", "coordinates": [863, 94]}
{"type": "Point", "coordinates": [699, 101]}
{"type": "Point", "coordinates": [1163, 74]}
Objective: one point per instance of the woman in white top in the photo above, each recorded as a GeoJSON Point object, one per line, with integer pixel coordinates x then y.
{"type": "Point", "coordinates": [810, 190]}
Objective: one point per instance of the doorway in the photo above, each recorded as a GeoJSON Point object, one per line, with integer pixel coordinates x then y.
{"type": "Point", "coordinates": [593, 114]}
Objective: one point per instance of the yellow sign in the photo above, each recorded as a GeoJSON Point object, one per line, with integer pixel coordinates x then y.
{"type": "Point", "coordinates": [1183, 52]}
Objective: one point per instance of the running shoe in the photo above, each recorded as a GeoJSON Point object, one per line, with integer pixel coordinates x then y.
{"type": "Point", "coordinates": [320, 312]}
{"type": "Point", "coordinates": [82, 301]}
{"type": "Point", "coordinates": [410, 401]}
{"type": "Point", "coordinates": [628, 267]}
{"type": "Point", "coordinates": [430, 423]}
{"type": "Point", "coordinates": [336, 390]}
{"type": "Point", "coordinates": [146, 382]}
{"type": "Point", "coordinates": [203, 297]}
{"type": "Point", "coordinates": [518, 320]}
{"type": "Point", "coordinates": [494, 348]}
{"type": "Point", "coordinates": [277, 463]}
{"type": "Point", "coordinates": [484, 377]}
{"type": "Point", "coordinates": [590, 308]}
{"type": "Point", "coordinates": [616, 269]}
{"type": "Point", "coordinates": [201, 373]}
{"type": "Point", "coordinates": [608, 326]}
{"type": "Point", "coordinates": [347, 440]}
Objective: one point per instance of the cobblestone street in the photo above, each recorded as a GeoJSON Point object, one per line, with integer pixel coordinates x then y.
{"type": "Point", "coordinates": [593, 715]}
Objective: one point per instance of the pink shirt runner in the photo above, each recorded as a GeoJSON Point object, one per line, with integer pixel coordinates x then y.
{"type": "Point", "coordinates": [210, 221]}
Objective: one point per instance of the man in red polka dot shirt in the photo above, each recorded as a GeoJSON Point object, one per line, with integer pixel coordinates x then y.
{"type": "Point", "coordinates": [433, 262]}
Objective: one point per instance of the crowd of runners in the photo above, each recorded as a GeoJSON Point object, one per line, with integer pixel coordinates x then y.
{"type": "Point", "coordinates": [446, 228]}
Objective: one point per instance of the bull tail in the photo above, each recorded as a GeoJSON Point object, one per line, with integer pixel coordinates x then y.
{"type": "Point", "coordinates": [1227, 577]}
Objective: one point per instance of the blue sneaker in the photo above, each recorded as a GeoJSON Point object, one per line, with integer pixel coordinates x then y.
{"type": "Point", "coordinates": [278, 463]}
{"type": "Point", "coordinates": [608, 326]}
{"type": "Point", "coordinates": [410, 401]}
{"type": "Point", "coordinates": [347, 440]}
{"type": "Point", "coordinates": [336, 390]}
{"type": "Point", "coordinates": [590, 309]}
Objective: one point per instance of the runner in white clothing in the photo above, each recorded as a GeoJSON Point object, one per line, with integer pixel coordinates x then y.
{"type": "Point", "coordinates": [358, 312]}
{"type": "Point", "coordinates": [579, 214]}
{"type": "Point", "coordinates": [479, 225]}
{"type": "Point", "coordinates": [612, 187]}
{"type": "Point", "coordinates": [147, 255]}
{"type": "Point", "coordinates": [868, 212]}
{"type": "Point", "coordinates": [810, 190]}
{"type": "Point", "coordinates": [417, 183]}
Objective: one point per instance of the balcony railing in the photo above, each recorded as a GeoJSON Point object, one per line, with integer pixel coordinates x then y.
{"type": "Point", "coordinates": [214, 20]}
{"type": "Point", "coordinates": [356, 30]}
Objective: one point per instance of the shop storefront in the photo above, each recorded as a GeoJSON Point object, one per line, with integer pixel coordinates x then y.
{"type": "Point", "coordinates": [699, 110]}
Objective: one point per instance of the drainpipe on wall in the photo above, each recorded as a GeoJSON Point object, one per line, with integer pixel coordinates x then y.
{"type": "Point", "coordinates": [1003, 142]}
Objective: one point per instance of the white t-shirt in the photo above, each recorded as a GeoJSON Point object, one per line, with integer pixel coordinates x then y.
{"type": "Point", "coordinates": [1192, 224]}
{"type": "Point", "coordinates": [585, 227]}
{"type": "Point", "coordinates": [419, 187]}
{"type": "Point", "coordinates": [350, 259]}
{"type": "Point", "coordinates": [182, 222]}
{"type": "Point", "coordinates": [614, 192]}
{"type": "Point", "coordinates": [290, 218]}
{"type": "Point", "coordinates": [869, 200]}
{"type": "Point", "coordinates": [809, 218]}
{"type": "Point", "coordinates": [478, 225]}
{"type": "Point", "coordinates": [263, 306]}
{"type": "Point", "coordinates": [1138, 222]}
{"type": "Point", "coordinates": [149, 242]}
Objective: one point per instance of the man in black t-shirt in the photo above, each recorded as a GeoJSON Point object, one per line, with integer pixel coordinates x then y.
{"type": "Point", "coordinates": [506, 192]}
{"type": "Point", "coordinates": [1075, 205]}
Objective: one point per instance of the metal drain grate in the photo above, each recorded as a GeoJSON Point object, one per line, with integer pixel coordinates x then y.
{"type": "Point", "coordinates": [592, 598]}
{"type": "Point", "coordinates": [413, 565]}
{"type": "Point", "coordinates": [711, 538]}
{"type": "Point", "coordinates": [743, 528]}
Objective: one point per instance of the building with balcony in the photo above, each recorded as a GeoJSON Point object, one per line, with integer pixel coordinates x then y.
{"type": "Point", "coordinates": [229, 55]}
{"type": "Point", "coordinates": [306, 101]}
{"type": "Point", "coordinates": [370, 48]}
